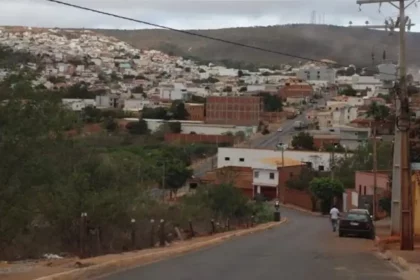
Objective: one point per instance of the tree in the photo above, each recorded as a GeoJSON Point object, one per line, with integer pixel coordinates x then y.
{"type": "Point", "coordinates": [243, 89]}
{"type": "Point", "coordinates": [178, 110]}
{"type": "Point", "coordinates": [198, 99]}
{"type": "Point", "coordinates": [91, 114]}
{"type": "Point", "coordinates": [361, 160]}
{"type": "Point", "coordinates": [110, 124]}
{"type": "Point", "coordinates": [272, 103]}
{"type": "Point", "coordinates": [138, 128]}
{"type": "Point", "coordinates": [227, 89]}
{"type": "Point", "coordinates": [303, 141]}
{"type": "Point", "coordinates": [326, 189]}
{"type": "Point", "coordinates": [302, 181]}
{"type": "Point", "coordinates": [137, 89]}
{"type": "Point", "coordinates": [175, 127]}
{"type": "Point", "coordinates": [349, 91]}
{"type": "Point", "coordinates": [79, 90]}
{"type": "Point", "coordinates": [158, 113]}
{"type": "Point", "coordinates": [378, 112]}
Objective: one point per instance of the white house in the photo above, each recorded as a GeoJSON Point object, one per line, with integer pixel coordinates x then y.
{"type": "Point", "coordinates": [78, 104]}
{"type": "Point", "coordinates": [316, 73]}
{"type": "Point", "coordinates": [135, 105]}
{"type": "Point", "coordinates": [244, 157]}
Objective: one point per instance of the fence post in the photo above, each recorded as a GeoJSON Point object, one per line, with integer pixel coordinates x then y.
{"type": "Point", "coordinates": [98, 241]}
{"type": "Point", "coordinates": [162, 233]}
{"type": "Point", "coordinates": [82, 235]}
{"type": "Point", "coordinates": [228, 224]}
{"type": "Point", "coordinates": [133, 234]}
{"type": "Point", "coordinates": [152, 233]}
{"type": "Point", "coordinates": [191, 228]}
{"type": "Point", "coordinates": [252, 220]}
{"type": "Point", "coordinates": [213, 228]}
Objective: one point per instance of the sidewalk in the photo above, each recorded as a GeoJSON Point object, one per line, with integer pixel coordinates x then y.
{"type": "Point", "coordinates": [74, 268]}
{"type": "Point", "coordinates": [389, 247]}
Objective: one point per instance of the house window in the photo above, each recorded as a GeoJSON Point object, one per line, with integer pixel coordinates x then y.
{"type": "Point", "coordinates": [256, 174]}
{"type": "Point", "coordinates": [272, 176]}
{"type": "Point", "coordinates": [241, 159]}
{"type": "Point", "coordinates": [227, 158]}
{"type": "Point", "coordinates": [321, 168]}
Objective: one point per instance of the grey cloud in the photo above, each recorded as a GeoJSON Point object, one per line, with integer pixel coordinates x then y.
{"type": "Point", "coordinates": [192, 14]}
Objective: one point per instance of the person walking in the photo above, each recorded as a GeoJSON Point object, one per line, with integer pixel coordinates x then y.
{"type": "Point", "coordinates": [334, 214]}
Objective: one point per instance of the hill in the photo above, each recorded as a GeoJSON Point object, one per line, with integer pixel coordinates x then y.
{"type": "Point", "coordinates": [342, 44]}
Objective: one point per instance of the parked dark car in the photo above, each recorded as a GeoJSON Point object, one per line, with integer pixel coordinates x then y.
{"type": "Point", "coordinates": [356, 224]}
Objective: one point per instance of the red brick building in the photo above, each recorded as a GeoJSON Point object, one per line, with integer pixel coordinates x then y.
{"type": "Point", "coordinates": [195, 111]}
{"type": "Point", "coordinates": [242, 178]}
{"type": "Point", "coordinates": [236, 110]}
{"type": "Point", "coordinates": [296, 88]}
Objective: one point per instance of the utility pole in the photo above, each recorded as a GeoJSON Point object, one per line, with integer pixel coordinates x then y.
{"type": "Point", "coordinates": [334, 146]}
{"type": "Point", "coordinates": [375, 170]}
{"type": "Point", "coordinates": [401, 133]}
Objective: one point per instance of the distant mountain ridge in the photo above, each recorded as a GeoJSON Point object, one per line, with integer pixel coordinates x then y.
{"type": "Point", "coordinates": [342, 44]}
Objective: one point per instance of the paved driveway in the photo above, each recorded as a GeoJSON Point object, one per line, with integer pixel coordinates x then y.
{"type": "Point", "coordinates": [303, 249]}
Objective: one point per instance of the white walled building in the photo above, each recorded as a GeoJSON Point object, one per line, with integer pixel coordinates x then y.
{"type": "Point", "coordinates": [316, 73]}
{"type": "Point", "coordinates": [135, 105]}
{"type": "Point", "coordinates": [243, 157]}
{"type": "Point", "coordinates": [199, 127]}
{"type": "Point", "coordinates": [78, 104]}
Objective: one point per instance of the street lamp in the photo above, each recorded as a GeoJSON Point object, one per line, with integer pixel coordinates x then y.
{"type": "Point", "coordinates": [277, 215]}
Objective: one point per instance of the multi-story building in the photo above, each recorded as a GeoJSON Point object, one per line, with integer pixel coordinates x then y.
{"type": "Point", "coordinates": [238, 110]}
{"type": "Point", "coordinates": [296, 88]}
{"type": "Point", "coordinates": [195, 111]}
{"type": "Point", "coordinates": [317, 73]}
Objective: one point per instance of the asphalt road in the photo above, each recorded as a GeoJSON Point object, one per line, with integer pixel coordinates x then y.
{"type": "Point", "coordinates": [304, 248]}
{"type": "Point", "coordinates": [268, 141]}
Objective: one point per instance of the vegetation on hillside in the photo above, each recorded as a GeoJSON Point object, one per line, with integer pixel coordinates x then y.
{"type": "Point", "coordinates": [341, 44]}
{"type": "Point", "coordinates": [49, 177]}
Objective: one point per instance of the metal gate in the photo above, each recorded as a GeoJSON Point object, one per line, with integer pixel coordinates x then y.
{"type": "Point", "coordinates": [366, 202]}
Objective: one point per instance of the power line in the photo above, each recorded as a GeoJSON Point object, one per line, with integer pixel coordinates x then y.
{"type": "Point", "coordinates": [186, 32]}
{"type": "Point", "coordinates": [198, 35]}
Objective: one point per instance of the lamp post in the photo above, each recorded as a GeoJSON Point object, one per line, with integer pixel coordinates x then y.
{"type": "Point", "coordinates": [277, 215]}
{"type": "Point", "coordinates": [281, 147]}
{"type": "Point", "coordinates": [333, 160]}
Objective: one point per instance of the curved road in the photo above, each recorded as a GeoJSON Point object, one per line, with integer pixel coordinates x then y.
{"type": "Point", "coordinates": [304, 248]}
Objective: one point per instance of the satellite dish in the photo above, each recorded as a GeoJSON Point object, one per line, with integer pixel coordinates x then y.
{"type": "Point", "coordinates": [350, 23]}
{"type": "Point", "coordinates": [367, 22]}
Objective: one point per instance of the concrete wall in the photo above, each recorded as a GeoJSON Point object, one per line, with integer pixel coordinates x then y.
{"type": "Point", "coordinates": [263, 178]}
{"type": "Point", "coordinates": [364, 182]}
{"type": "Point", "coordinates": [298, 198]}
{"type": "Point", "coordinates": [199, 138]}
{"type": "Point", "coordinates": [318, 159]}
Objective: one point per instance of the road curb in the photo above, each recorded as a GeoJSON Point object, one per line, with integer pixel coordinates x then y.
{"type": "Point", "coordinates": [293, 207]}
{"type": "Point", "coordinates": [133, 261]}
{"type": "Point", "coordinates": [400, 262]}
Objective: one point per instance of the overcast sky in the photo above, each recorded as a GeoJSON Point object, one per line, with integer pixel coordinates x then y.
{"type": "Point", "coordinates": [193, 14]}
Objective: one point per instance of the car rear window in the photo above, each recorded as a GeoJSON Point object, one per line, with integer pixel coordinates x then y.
{"type": "Point", "coordinates": [356, 217]}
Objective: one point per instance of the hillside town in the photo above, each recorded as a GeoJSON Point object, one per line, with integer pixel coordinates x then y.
{"type": "Point", "coordinates": [269, 134]}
